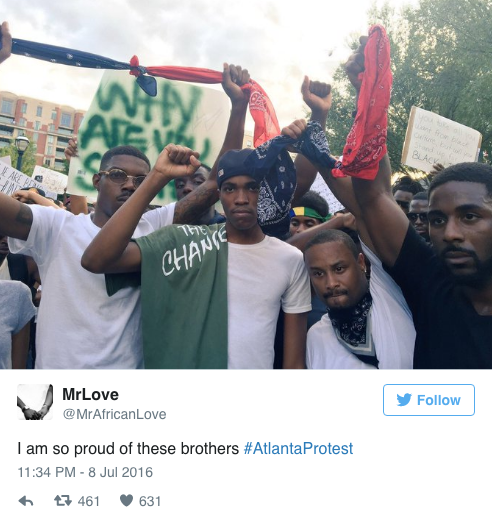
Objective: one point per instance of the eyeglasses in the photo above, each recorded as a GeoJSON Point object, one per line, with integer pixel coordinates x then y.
{"type": "Point", "coordinates": [413, 216]}
{"type": "Point", "coordinates": [120, 177]}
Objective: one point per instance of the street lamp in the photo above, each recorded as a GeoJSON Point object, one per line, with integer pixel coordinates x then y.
{"type": "Point", "coordinates": [21, 143]}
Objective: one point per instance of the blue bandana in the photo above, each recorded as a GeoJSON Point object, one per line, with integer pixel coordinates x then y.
{"type": "Point", "coordinates": [272, 167]}
{"type": "Point", "coordinates": [66, 56]}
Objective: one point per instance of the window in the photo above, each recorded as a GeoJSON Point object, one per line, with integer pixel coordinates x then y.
{"type": "Point", "coordinates": [51, 139]}
{"type": "Point", "coordinates": [53, 115]}
{"type": "Point", "coordinates": [66, 119]}
{"type": "Point", "coordinates": [24, 108]}
{"type": "Point", "coordinates": [51, 127]}
{"type": "Point", "coordinates": [50, 150]}
{"type": "Point", "coordinates": [39, 111]}
{"type": "Point", "coordinates": [37, 125]}
{"type": "Point", "coordinates": [47, 162]}
{"type": "Point", "coordinates": [35, 137]}
{"type": "Point", "coordinates": [7, 106]}
{"type": "Point", "coordinates": [22, 122]}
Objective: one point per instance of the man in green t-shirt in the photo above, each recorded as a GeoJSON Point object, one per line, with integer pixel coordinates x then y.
{"type": "Point", "coordinates": [262, 274]}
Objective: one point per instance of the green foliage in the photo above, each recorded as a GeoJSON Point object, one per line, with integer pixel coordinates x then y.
{"type": "Point", "coordinates": [441, 56]}
{"type": "Point", "coordinates": [28, 160]}
{"type": "Point", "coordinates": [66, 167]}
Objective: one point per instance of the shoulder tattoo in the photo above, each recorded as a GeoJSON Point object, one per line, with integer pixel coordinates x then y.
{"type": "Point", "coordinates": [24, 216]}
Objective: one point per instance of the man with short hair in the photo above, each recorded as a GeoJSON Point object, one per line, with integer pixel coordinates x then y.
{"type": "Point", "coordinates": [372, 326]}
{"type": "Point", "coordinates": [449, 286]}
{"type": "Point", "coordinates": [404, 191]}
{"type": "Point", "coordinates": [368, 324]}
{"type": "Point", "coordinates": [262, 273]}
{"type": "Point", "coordinates": [79, 326]}
{"type": "Point", "coordinates": [310, 210]}
{"type": "Point", "coordinates": [417, 214]}
{"type": "Point", "coordinates": [188, 184]}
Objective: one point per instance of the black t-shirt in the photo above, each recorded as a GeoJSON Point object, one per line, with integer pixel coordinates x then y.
{"type": "Point", "coordinates": [450, 333]}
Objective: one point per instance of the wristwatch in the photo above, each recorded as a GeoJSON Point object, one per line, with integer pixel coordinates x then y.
{"type": "Point", "coordinates": [26, 407]}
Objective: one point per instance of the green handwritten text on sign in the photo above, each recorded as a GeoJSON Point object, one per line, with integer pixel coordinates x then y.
{"type": "Point", "coordinates": [122, 114]}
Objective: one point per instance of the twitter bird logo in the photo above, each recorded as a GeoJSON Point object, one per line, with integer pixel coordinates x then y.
{"type": "Point", "coordinates": [403, 401]}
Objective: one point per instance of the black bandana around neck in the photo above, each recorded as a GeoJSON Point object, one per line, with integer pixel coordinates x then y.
{"type": "Point", "coordinates": [351, 323]}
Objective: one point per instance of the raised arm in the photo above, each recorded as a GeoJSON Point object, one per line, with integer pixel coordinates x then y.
{"type": "Point", "coordinates": [111, 251]}
{"type": "Point", "coordinates": [341, 188]}
{"type": "Point", "coordinates": [192, 206]}
{"type": "Point", "coordinates": [386, 224]}
{"type": "Point", "coordinates": [5, 42]}
{"type": "Point", "coordinates": [317, 96]}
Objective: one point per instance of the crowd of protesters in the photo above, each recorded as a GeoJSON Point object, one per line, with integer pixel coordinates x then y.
{"type": "Point", "coordinates": [401, 279]}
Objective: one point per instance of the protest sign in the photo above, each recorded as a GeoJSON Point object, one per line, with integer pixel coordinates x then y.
{"type": "Point", "coordinates": [52, 180]}
{"type": "Point", "coordinates": [122, 114]}
{"type": "Point", "coordinates": [12, 180]}
{"type": "Point", "coordinates": [319, 186]}
{"type": "Point", "coordinates": [7, 160]}
{"type": "Point", "coordinates": [431, 139]}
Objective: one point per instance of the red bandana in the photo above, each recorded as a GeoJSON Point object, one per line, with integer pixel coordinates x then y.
{"type": "Point", "coordinates": [260, 106]}
{"type": "Point", "coordinates": [366, 141]}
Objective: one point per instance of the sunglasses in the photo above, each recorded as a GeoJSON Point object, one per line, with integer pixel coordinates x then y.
{"type": "Point", "coordinates": [120, 177]}
{"type": "Point", "coordinates": [414, 216]}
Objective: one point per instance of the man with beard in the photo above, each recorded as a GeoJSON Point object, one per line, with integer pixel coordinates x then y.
{"type": "Point", "coordinates": [449, 286]}
{"type": "Point", "coordinates": [368, 324]}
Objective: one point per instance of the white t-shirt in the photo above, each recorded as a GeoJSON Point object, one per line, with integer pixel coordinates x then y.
{"type": "Point", "coordinates": [4, 271]}
{"type": "Point", "coordinates": [79, 326]}
{"type": "Point", "coordinates": [16, 310]}
{"type": "Point", "coordinates": [392, 329]}
{"type": "Point", "coordinates": [260, 279]}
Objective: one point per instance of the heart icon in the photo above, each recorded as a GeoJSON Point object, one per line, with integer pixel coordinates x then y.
{"type": "Point", "coordinates": [126, 500]}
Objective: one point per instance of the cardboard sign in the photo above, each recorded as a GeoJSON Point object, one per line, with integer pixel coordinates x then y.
{"type": "Point", "coordinates": [12, 180]}
{"type": "Point", "coordinates": [122, 114]}
{"type": "Point", "coordinates": [52, 180]}
{"type": "Point", "coordinates": [7, 160]}
{"type": "Point", "coordinates": [431, 139]}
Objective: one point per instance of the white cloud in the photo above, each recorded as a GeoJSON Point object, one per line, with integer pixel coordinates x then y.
{"type": "Point", "coordinates": [278, 41]}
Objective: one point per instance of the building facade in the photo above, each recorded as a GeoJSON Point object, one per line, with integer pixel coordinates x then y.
{"type": "Point", "coordinates": [48, 125]}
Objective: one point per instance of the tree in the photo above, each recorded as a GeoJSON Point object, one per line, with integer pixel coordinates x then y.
{"type": "Point", "coordinates": [441, 55]}
{"type": "Point", "coordinates": [28, 160]}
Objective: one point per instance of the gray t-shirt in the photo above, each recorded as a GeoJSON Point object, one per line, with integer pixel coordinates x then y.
{"type": "Point", "coordinates": [16, 310]}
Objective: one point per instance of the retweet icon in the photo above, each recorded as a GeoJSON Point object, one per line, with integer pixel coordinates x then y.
{"type": "Point", "coordinates": [403, 401]}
